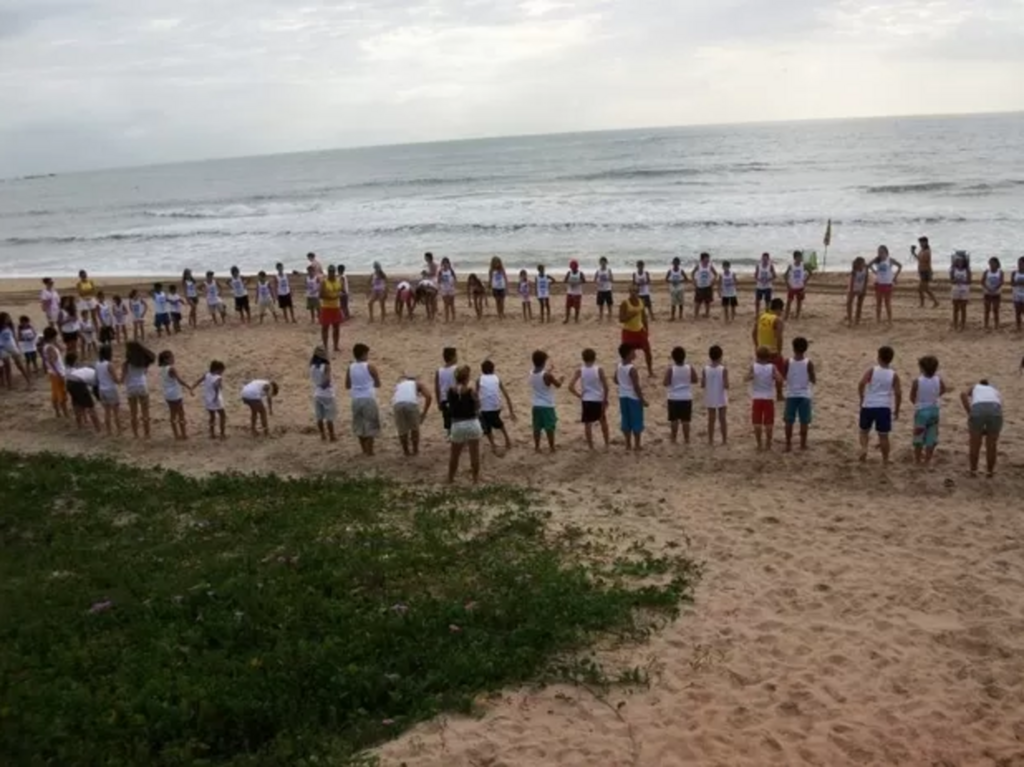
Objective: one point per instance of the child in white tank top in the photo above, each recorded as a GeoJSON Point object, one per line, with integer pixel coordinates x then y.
{"type": "Point", "coordinates": [174, 387]}
{"type": "Point", "coordinates": [714, 380]}
{"type": "Point", "coordinates": [213, 397]}
{"type": "Point", "coordinates": [992, 283]}
{"type": "Point", "coordinates": [880, 400]}
{"type": "Point", "coordinates": [763, 376]}
{"type": "Point", "coordinates": [1017, 283]}
{"type": "Point", "coordinates": [543, 383]}
{"type": "Point", "coordinates": [492, 392]}
{"type": "Point", "coordinates": [680, 379]}
{"type": "Point", "coordinates": [925, 394]}
{"type": "Point", "coordinates": [524, 295]}
{"type": "Point", "coordinates": [592, 392]}
{"type": "Point", "coordinates": [800, 378]}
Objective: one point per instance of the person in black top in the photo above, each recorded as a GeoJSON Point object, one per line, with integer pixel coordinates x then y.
{"type": "Point", "coordinates": [464, 408]}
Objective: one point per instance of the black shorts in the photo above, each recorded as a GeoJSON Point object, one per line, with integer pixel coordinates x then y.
{"type": "Point", "coordinates": [490, 420]}
{"type": "Point", "coordinates": [604, 298]}
{"type": "Point", "coordinates": [106, 335]}
{"type": "Point", "coordinates": [646, 300]}
{"type": "Point", "coordinates": [31, 357]}
{"type": "Point", "coordinates": [242, 303]}
{"type": "Point", "coordinates": [729, 301]}
{"type": "Point", "coordinates": [70, 338]}
{"type": "Point", "coordinates": [81, 396]}
{"type": "Point", "coordinates": [592, 412]}
{"type": "Point", "coordinates": [704, 295]}
{"type": "Point", "coordinates": [284, 302]}
{"type": "Point", "coordinates": [176, 318]}
{"type": "Point", "coordinates": [680, 410]}
{"type": "Point", "coordinates": [497, 293]}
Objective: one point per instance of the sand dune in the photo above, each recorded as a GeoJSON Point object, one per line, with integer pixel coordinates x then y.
{"type": "Point", "coordinates": [848, 614]}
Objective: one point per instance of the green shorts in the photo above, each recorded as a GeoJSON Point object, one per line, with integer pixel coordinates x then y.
{"type": "Point", "coordinates": [312, 304]}
{"type": "Point", "coordinates": [926, 426]}
{"type": "Point", "coordinates": [544, 419]}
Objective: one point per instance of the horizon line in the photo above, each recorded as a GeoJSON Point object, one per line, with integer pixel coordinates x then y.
{"type": "Point", "coordinates": [495, 137]}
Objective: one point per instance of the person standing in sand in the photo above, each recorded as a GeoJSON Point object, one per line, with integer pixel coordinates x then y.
{"type": "Point", "coordinates": [984, 407]}
{"type": "Point", "coordinates": [86, 296]}
{"type": "Point", "coordinates": [887, 271]}
{"type": "Point", "coordinates": [880, 398]}
{"type": "Point", "coordinates": [463, 406]}
{"type": "Point", "coordinates": [762, 374]}
{"type": "Point", "coordinates": [992, 286]}
{"type": "Point", "coordinates": [768, 332]}
{"type": "Point", "coordinates": [1017, 286]}
{"type": "Point", "coordinates": [764, 280]}
{"type": "Point", "coordinates": [797, 278]}
{"type": "Point", "coordinates": [856, 291]}
{"type": "Point", "coordinates": [705, 278]}
{"type": "Point", "coordinates": [633, 320]}
{"type": "Point", "coordinates": [574, 280]}
{"type": "Point", "coordinates": [593, 396]}
{"type": "Point", "coordinates": [362, 381]}
{"type": "Point", "coordinates": [960, 277]}
{"type": "Point", "coordinates": [642, 282]}
{"type": "Point", "coordinates": [330, 308]}
{"type": "Point", "coordinates": [498, 280]}
{"type": "Point", "coordinates": [925, 273]}
{"type": "Point", "coordinates": [604, 280]}
{"type": "Point", "coordinates": [49, 302]}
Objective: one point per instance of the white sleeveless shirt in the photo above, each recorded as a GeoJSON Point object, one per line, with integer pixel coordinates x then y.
{"type": "Point", "coordinates": [590, 384]}
{"type": "Point", "coordinates": [624, 380]}
{"type": "Point", "coordinates": [879, 389]}
{"type": "Point", "coordinates": [764, 381]}
{"type": "Point", "coordinates": [928, 390]}
{"type": "Point", "coordinates": [543, 395]}
{"type": "Point", "coordinates": [680, 387]}
{"type": "Point", "coordinates": [490, 393]}
{"type": "Point", "coordinates": [361, 380]}
{"type": "Point", "coordinates": [798, 379]}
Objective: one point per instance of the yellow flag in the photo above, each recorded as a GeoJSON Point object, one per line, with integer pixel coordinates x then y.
{"type": "Point", "coordinates": [828, 233]}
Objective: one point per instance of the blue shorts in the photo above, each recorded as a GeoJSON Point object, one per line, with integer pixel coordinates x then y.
{"type": "Point", "coordinates": [877, 418]}
{"type": "Point", "coordinates": [797, 409]}
{"type": "Point", "coordinates": [764, 294]}
{"type": "Point", "coordinates": [632, 413]}
{"type": "Point", "coordinates": [162, 320]}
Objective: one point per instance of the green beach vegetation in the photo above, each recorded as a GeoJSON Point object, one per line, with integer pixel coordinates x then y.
{"type": "Point", "coordinates": [154, 618]}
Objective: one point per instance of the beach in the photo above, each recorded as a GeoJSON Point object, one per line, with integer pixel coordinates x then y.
{"type": "Point", "coordinates": [847, 614]}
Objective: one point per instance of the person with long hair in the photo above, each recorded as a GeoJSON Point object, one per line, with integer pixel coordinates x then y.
{"type": "Point", "coordinates": [887, 271]}
{"type": "Point", "coordinates": [498, 280]}
{"type": "Point", "coordinates": [466, 431]}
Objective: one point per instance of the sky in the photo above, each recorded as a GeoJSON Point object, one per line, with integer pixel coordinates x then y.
{"type": "Point", "coordinates": [104, 83]}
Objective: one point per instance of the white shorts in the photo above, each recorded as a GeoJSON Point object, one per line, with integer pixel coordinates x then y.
{"type": "Point", "coordinates": [960, 292]}
{"type": "Point", "coordinates": [465, 431]}
{"type": "Point", "coordinates": [86, 304]}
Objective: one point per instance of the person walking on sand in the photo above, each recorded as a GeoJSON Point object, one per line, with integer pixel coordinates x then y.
{"type": "Point", "coordinates": [984, 407]}
{"type": "Point", "coordinates": [330, 308]}
{"type": "Point", "coordinates": [925, 394]}
{"type": "Point", "coordinates": [768, 331]}
{"type": "Point", "coordinates": [635, 331]}
{"type": "Point", "coordinates": [797, 278]}
{"type": "Point", "coordinates": [887, 271]}
{"type": "Point", "coordinates": [925, 274]}
{"type": "Point", "coordinates": [880, 398]}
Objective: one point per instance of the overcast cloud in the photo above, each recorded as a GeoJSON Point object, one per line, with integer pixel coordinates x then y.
{"type": "Point", "coordinates": [99, 83]}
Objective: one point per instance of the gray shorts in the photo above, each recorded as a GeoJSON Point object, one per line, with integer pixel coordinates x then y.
{"type": "Point", "coordinates": [466, 431]}
{"type": "Point", "coordinates": [986, 418]}
{"type": "Point", "coordinates": [325, 409]}
{"type": "Point", "coordinates": [407, 418]}
{"type": "Point", "coordinates": [110, 397]}
{"type": "Point", "coordinates": [365, 417]}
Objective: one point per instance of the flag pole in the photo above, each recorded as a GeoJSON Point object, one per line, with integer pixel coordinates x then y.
{"type": "Point", "coordinates": [827, 242]}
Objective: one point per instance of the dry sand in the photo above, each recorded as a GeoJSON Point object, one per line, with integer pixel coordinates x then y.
{"type": "Point", "coordinates": [848, 614]}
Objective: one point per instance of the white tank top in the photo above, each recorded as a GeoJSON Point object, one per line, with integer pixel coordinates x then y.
{"type": "Point", "coordinates": [498, 280]}
{"type": "Point", "coordinates": [574, 282]}
{"type": "Point", "coordinates": [543, 395]}
{"type": "Point", "coordinates": [238, 288]}
{"type": "Point", "coordinates": [104, 379]}
{"type": "Point", "coordinates": [879, 390]}
{"type": "Point", "coordinates": [992, 280]}
{"type": "Point", "coordinates": [68, 323]}
{"type": "Point", "coordinates": [1017, 280]}
{"type": "Point", "coordinates": [190, 289]}
{"type": "Point", "coordinates": [490, 393]}
{"type": "Point", "coordinates": [254, 390]}
{"type": "Point", "coordinates": [643, 282]}
{"type": "Point", "coordinates": [797, 277]}
{"type": "Point", "coordinates": [405, 393]}
{"type": "Point", "coordinates": [56, 367]}
{"type": "Point", "coordinates": [681, 384]}
{"type": "Point", "coordinates": [603, 278]}
{"type": "Point", "coordinates": [763, 277]}
{"type": "Point", "coordinates": [524, 289]}
{"type": "Point", "coordinates": [543, 286]}
{"type": "Point", "coordinates": [312, 287]}
{"type": "Point", "coordinates": [160, 303]}
{"type": "Point", "coordinates": [262, 291]}
{"type": "Point", "coordinates": [675, 277]}
{"type": "Point", "coordinates": [714, 386]}
{"type": "Point", "coordinates": [361, 380]}
{"type": "Point", "coordinates": [884, 272]}
{"type": "Point", "coordinates": [729, 284]}
{"type": "Point", "coordinates": [703, 277]}
{"type": "Point", "coordinates": [172, 389]}
{"type": "Point", "coordinates": [446, 381]}
{"type": "Point", "coordinates": [213, 398]}
{"type": "Point", "coordinates": [212, 293]}
{"type": "Point", "coordinates": [959, 276]}
{"type": "Point", "coordinates": [591, 389]}
{"type": "Point", "coordinates": [106, 315]}
{"type": "Point", "coordinates": [625, 382]}
{"type": "Point", "coordinates": [928, 391]}
{"type": "Point", "coordinates": [985, 395]}
{"type": "Point", "coordinates": [284, 287]}
{"type": "Point", "coordinates": [764, 381]}
{"type": "Point", "coordinates": [135, 380]}
{"type": "Point", "coordinates": [860, 281]}
{"type": "Point", "coordinates": [798, 379]}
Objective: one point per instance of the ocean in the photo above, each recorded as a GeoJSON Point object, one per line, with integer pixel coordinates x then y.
{"type": "Point", "coordinates": [734, 191]}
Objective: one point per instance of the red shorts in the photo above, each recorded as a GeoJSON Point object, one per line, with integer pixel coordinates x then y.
{"type": "Point", "coordinates": [799, 294]}
{"type": "Point", "coordinates": [637, 339]}
{"type": "Point", "coordinates": [883, 290]}
{"type": "Point", "coordinates": [573, 302]}
{"type": "Point", "coordinates": [330, 316]}
{"type": "Point", "coordinates": [763, 412]}
{"type": "Point", "coordinates": [780, 364]}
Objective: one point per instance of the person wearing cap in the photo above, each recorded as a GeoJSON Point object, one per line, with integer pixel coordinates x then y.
{"type": "Point", "coordinates": [633, 319]}
{"type": "Point", "coordinates": [574, 280]}
{"type": "Point", "coordinates": [330, 307]}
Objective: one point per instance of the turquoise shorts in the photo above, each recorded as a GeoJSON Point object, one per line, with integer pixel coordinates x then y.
{"type": "Point", "coordinates": [631, 415]}
{"type": "Point", "coordinates": [797, 409]}
{"type": "Point", "coordinates": [544, 419]}
{"type": "Point", "coordinates": [926, 426]}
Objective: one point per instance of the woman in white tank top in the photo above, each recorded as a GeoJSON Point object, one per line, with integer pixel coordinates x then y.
{"type": "Point", "coordinates": [960, 278]}
{"type": "Point", "coordinates": [992, 283]}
